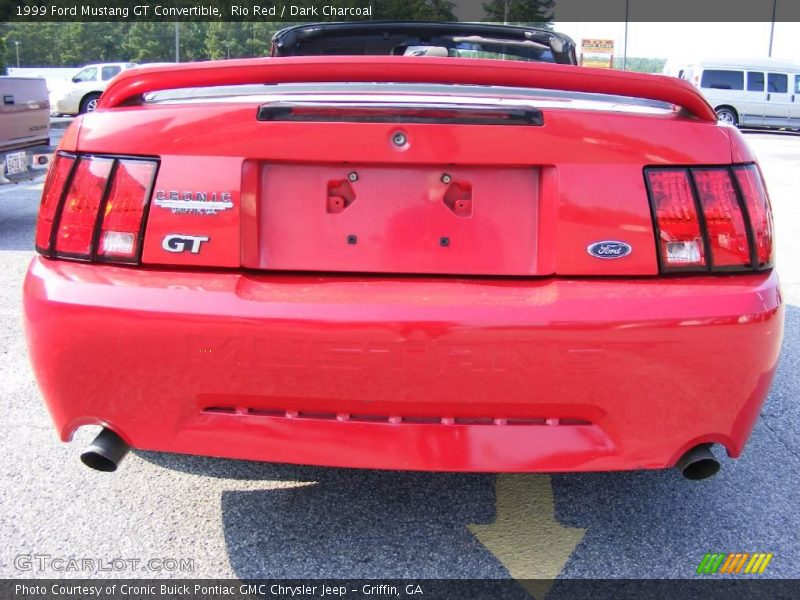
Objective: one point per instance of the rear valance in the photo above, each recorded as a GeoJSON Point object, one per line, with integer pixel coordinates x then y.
{"type": "Point", "coordinates": [130, 86]}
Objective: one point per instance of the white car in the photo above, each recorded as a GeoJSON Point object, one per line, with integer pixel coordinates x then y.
{"type": "Point", "coordinates": [80, 94]}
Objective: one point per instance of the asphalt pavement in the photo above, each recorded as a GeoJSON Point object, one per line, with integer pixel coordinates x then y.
{"type": "Point", "coordinates": [225, 518]}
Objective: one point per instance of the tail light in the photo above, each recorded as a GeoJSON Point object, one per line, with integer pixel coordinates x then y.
{"type": "Point", "coordinates": [57, 179]}
{"type": "Point", "coordinates": [93, 207]}
{"type": "Point", "coordinates": [710, 218]}
{"type": "Point", "coordinates": [680, 237]}
{"type": "Point", "coordinates": [724, 216]}
{"type": "Point", "coordinates": [755, 197]}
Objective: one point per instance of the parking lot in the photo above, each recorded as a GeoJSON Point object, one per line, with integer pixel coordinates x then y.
{"type": "Point", "coordinates": [222, 518]}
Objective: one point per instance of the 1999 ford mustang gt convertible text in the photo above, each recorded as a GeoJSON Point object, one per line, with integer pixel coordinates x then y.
{"type": "Point", "coordinates": [405, 262]}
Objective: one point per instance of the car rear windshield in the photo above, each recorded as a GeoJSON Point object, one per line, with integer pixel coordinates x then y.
{"type": "Point", "coordinates": [445, 46]}
{"type": "Point", "coordinates": [456, 40]}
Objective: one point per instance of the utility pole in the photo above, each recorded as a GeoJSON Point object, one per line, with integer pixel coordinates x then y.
{"type": "Point", "coordinates": [17, 46]}
{"type": "Point", "coordinates": [177, 43]}
{"type": "Point", "coordinates": [625, 49]}
{"type": "Point", "coordinates": [772, 27]}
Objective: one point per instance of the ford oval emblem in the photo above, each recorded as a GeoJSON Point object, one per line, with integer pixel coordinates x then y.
{"type": "Point", "coordinates": [609, 249]}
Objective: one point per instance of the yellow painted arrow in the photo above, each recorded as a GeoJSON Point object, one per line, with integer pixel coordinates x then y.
{"type": "Point", "coordinates": [525, 536]}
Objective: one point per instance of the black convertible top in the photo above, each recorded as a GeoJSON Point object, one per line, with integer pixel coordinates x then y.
{"type": "Point", "coordinates": [425, 38]}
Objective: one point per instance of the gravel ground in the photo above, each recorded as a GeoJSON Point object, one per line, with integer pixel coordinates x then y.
{"type": "Point", "coordinates": [259, 520]}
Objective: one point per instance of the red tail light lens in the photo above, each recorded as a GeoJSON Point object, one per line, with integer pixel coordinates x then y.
{"type": "Point", "coordinates": [711, 218]}
{"type": "Point", "coordinates": [680, 238]}
{"type": "Point", "coordinates": [96, 206]}
{"type": "Point", "coordinates": [124, 210]}
{"type": "Point", "coordinates": [78, 216]}
{"type": "Point", "coordinates": [53, 189]}
{"type": "Point", "coordinates": [727, 234]}
{"type": "Point", "coordinates": [757, 203]}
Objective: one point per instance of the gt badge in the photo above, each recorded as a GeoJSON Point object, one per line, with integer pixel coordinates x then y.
{"type": "Point", "coordinates": [177, 242]}
{"type": "Point", "coordinates": [609, 249]}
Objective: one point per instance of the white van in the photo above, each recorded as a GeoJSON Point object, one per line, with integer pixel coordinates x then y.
{"type": "Point", "coordinates": [755, 93]}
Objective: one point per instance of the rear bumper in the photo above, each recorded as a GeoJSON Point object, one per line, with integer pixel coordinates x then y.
{"type": "Point", "coordinates": [37, 159]}
{"type": "Point", "coordinates": [402, 373]}
{"type": "Point", "coordinates": [65, 105]}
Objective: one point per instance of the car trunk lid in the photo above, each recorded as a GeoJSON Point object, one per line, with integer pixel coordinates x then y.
{"type": "Point", "coordinates": [377, 181]}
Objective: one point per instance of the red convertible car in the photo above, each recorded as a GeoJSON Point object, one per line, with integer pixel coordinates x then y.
{"type": "Point", "coordinates": [429, 261]}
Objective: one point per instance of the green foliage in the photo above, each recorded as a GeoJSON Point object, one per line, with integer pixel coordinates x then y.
{"type": "Point", "coordinates": [225, 40]}
{"type": "Point", "coordinates": [37, 45]}
{"type": "Point", "coordinates": [413, 10]}
{"type": "Point", "coordinates": [193, 40]}
{"type": "Point", "coordinates": [43, 44]}
{"type": "Point", "coordinates": [641, 65]}
{"type": "Point", "coordinates": [2, 54]}
{"type": "Point", "coordinates": [150, 42]}
{"type": "Point", "coordinates": [239, 40]}
{"type": "Point", "coordinates": [76, 44]}
{"type": "Point", "coordinates": [527, 12]}
{"type": "Point", "coordinates": [101, 41]}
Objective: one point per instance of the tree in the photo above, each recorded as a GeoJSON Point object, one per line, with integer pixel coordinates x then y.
{"type": "Point", "coordinates": [81, 43]}
{"type": "Point", "coordinates": [642, 65]}
{"type": "Point", "coordinates": [413, 10]}
{"type": "Point", "coordinates": [225, 40]}
{"type": "Point", "coordinates": [240, 39]}
{"type": "Point", "coordinates": [63, 44]}
{"type": "Point", "coordinates": [150, 42]}
{"type": "Point", "coordinates": [37, 44]}
{"type": "Point", "coordinates": [193, 41]}
{"type": "Point", "coordinates": [528, 12]}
